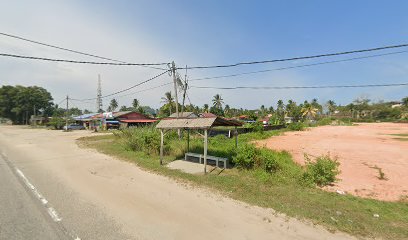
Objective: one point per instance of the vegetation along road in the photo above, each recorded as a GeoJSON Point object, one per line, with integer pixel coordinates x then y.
{"type": "Point", "coordinates": [98, 197]}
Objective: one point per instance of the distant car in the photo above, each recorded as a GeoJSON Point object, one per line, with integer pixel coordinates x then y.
{"type": "Point", "coordinates": [74, 127]}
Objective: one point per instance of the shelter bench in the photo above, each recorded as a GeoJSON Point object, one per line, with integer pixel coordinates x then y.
{"type": "Point", "coordinates": [211, 158]}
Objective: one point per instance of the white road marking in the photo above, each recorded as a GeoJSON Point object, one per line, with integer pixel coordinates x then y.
{"type": "Point", "coordinates": [53, 214]}
{"type": "Point", "coordinates": [51, 211]}
{"type": "Point", "coordinates": [31, 186]}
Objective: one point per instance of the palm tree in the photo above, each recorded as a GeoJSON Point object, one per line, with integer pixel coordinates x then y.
{"type": "Point", "coordinates": [135, 103]}
{"type": "Point", "coordinates": [113, 105]}
{"type": "Point", "coordinates": [217, 101]}
{"type": "Point", "coordinates": [227, 110]}
{"type": "Point", "coordinates": [309, 111]}
{"type": "Point", "coordinates": [331, 105]}
{"type": "Point", "coordinates": [205, 108]}
{"type": "Point", "coordinates": [168, 100]}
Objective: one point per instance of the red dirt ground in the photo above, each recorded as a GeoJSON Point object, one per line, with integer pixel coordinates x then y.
{"type": "Point", "coordinates": [359, 149]}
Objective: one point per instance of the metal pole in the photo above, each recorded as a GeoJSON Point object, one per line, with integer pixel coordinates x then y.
{"type": "Point", "coordinates": [205, 150]}
{"type": "Point", "coordinates": [161, 146]}
{"type": "Point", "coordinates": [66, 115]}
{"type": "Point", "coordinates": [188, 140]}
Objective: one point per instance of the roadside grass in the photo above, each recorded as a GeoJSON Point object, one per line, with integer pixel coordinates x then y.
{"type": "Point", "coordinates": [400, 136]}
{"type": "Point", "coordinates": [279, 190]}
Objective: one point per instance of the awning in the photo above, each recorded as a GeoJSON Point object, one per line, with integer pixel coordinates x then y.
{"type": "Point", "coordinates": [138, 120]}
{"type": "Point", "coordinates": [112, 121]}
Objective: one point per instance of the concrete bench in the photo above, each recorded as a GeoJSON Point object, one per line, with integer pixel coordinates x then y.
{"type": "Point", "coordinates": [213, 158]}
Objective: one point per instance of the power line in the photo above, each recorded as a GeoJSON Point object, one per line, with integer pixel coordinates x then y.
{"type": "Point", "coordinates": [126, 89]}
{"type": "Point", "coordinates": [81, 62]}
{"type": "Point", "coordinates": [300, 58]}
{"type": "Point", "coordinates": [292, 67]}
{"type": "Point", "coordinates": [301, 87]}
{"type": "Point", "coordinates": [70, 50]}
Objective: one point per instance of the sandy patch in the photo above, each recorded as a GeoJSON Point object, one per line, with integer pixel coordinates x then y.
{"type": "Point", "coordinates": [362, 150]}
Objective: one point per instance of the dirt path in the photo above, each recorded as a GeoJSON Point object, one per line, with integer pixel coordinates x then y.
{"type": "Point", "coordinates": [144, 205]}
{"type": "Point", "coordinates": [362, 150]}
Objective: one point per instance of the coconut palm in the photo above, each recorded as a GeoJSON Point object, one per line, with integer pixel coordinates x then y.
{"type": "Point", "coordinates": [227, 110]}
{"type": "Point", "coordinates": [168, 100]}
{"type": "Point", "coordinates": [113, 105]}
{"type": "Point", "coordinates": [135, 103]}
{"type": "Point", "coordinates": [205, 108]}
{"type": "Point", "coordinates": [309, 111]}
{"type": "Point", "coordinates": [331, 105]}
{"type": "Point", "coordinates": [217, 101]}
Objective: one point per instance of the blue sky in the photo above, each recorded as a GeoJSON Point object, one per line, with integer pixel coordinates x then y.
{"type": "Point", "coordinates": [208, 33]}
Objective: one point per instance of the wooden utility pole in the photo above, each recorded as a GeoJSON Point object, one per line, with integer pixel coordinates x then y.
{"type": "Point", "coordinates": [173, 68]}
{"type": "Point", "coordinates": [66, 115]}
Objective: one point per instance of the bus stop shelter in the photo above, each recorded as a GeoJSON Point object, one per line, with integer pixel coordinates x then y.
{"type": "Point", "coordinates": [188, 124]}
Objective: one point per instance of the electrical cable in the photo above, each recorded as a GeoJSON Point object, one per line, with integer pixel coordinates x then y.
{"type": "Point", "coordinates": [298, 66]}
{"type": "Point", "coordinates": [126, 89]}
{"type": "Point", "coordinates": [302, 87]}
{"type": "Point", "coordinates": [300, 58]}
{"type": "Point", "coordinates": [81, 62]}
{"type": "Point", "coordinates": [70, 50]}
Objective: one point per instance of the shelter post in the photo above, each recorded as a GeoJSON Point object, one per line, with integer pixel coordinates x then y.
{"type": "Point", "coordinates": [205, 150]}
{"type": "Point", "coordinates": [161, 146]}
{"type": "Point", "coordinates": [236, 137]}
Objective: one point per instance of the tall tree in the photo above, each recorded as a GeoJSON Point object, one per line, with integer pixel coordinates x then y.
{"type": "Point", "coordinates": [135, 104]}
{"type": "Point", "coordinates": [331, 105]}
{"type": "Point", "coordinates": [205, 108]}
{"type": "Point", "coordinates": [218, 101]}
{"type": "Point", "coordinates": [309, 111]}
{"type": "Point", "coordinates": [18, 103]}
{"type": "Point", "coordinates": [168, 100]}
{"type": "Point", "coordinates": [113, 105]}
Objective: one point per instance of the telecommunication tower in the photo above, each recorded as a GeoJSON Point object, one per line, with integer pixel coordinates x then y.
{"type": "Point", "coordinates": [99, 96]}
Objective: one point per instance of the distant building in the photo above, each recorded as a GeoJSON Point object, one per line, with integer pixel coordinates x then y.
{"type": "Point", "coordinates": [115, 120]}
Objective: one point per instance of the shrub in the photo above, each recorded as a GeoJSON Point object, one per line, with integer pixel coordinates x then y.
{"type": "Point", "coordinates": [245, 157]}
{"type": "Point", "coordinates": [296, 126]}
{"type": "Point", "coordinates": [268, 160]}
{"type": "Point", "coordinates": [321, 172]}
{"type": "Point", "coordinates": [144, 139]}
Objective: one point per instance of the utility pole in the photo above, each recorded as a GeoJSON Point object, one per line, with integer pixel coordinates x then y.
{"type": "Point", "coordinates": [175, 86]}
{"type": "Point", "coordinates": [66, 115]}
{"type": "Point", "coordinates": [184, 93]}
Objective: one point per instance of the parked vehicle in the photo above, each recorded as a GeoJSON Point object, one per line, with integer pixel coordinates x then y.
{"type": "Point", "coordinates": [74, 127]}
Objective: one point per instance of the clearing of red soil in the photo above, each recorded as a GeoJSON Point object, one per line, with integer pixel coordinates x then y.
{"type": "Point", "coordinates": [361, 150]}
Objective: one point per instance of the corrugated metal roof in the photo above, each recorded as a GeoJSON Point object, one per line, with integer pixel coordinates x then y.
{"type": "Point", "coordinates": [195, 123]}
{"type": "Point", "coordinates": [184, 115]}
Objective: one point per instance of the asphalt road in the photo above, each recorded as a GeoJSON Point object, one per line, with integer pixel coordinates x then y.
{"type": "Point", "coordinates": [22, 215]}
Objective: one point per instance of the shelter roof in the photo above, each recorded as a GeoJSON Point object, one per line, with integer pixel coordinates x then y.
{"type": "Point", "coordinates": [196, 123]}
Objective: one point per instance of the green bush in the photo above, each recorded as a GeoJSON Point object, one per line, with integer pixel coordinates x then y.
{"type": "Point", "coordinates": [268, 160]}
{"type": "Point", "coordinates": [144, 139]}
{"type": "Point", "coordinates": [298, 126]}
{"type": "Point", "coordinates": [322, 171]}
{"type": "Point", "coordinates": [245, 157]}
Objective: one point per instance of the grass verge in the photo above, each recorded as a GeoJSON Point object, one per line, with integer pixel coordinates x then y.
{"type": "Point", "coordinates": [280, 191]}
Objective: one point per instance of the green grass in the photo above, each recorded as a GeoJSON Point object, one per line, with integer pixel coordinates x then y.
{"type": "Point", "coordinates": [400, 136]}
{"type": "Point", "coordinates": [280, 190]}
